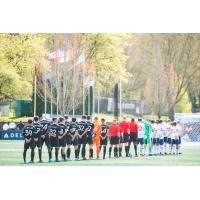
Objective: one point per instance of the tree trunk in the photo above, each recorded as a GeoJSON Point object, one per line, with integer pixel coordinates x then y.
{"type": "Point", "coordinates": [171, 113]}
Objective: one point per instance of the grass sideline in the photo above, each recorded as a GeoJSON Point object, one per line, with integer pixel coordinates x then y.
{"type": "Point", "coordinates": [11, 155]}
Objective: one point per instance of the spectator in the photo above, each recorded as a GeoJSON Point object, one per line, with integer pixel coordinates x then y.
{"type": "Point", "coordinates": [6, 127]}
{"type": "Point", "coordinates": [12, 125]}
{"type": "Point", "coordinates": [20, 126]}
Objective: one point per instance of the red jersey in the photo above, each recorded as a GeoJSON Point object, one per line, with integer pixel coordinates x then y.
{"type": "Point", "coordinates": [114, 130]}
{"type": "Point", "coordinates": [133, 127]}
{"type": "Point", "coordinates": [125, 126]}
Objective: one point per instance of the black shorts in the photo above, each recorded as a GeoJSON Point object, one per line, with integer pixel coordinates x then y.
{"type": "Point", "coordinates": [89, 140]}
{"type": "Point", "coordinates": [30, 145]}
{"type": "Point", "coordinates": [63, 142]}
{"type": "Point", "coordinates": [45, 140]}
{"type": "Point", "coordinates": [54, 142]}
{"type": "Point", "coordinates": [68, 139]}
{"type": "Point", "coordinates": [126, 138]}
{"type": "Point", "coordinates": [82, 140]}
{"type": "Point", "coordinates": [114, 140]}
{"type": "Point", "coordinates": [133, 137]}
{"type": "Point", "coordinates": [74, 140]}
{"type": "Point", "coordinates": [104, 142]}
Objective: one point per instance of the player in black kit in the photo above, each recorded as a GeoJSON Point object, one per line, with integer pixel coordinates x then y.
{"type": "Point", "coordinates": [29, 140]}
{"type": "Point", "coordinates": [68, 137]}
{"type": "Point", "coordinates": [45, 135]}
{"type": "Point", "coordinates": [37, 136]}
{"type": "Point", "coordinates": [54, 131]}
{"type": "Point", "coordinates": [104, 137]}
{"type": "Point", "coordinates": [90, 127]}
{"type": "Point", "coordinates": [82, 131]}
{"type": "Point", "coordinates": [73, 129]}
{"type": "Point", "coordinates": [62, 137]}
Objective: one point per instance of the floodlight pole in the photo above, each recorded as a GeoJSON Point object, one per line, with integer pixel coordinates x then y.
{"type": "Point", "coordinates": [45, 97]}
{"type": "Point", "coordinates": [35, 90]}
{"type": "Point", "coordinates": [120, 98]}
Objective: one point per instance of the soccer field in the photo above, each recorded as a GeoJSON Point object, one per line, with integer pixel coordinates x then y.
{"type": "Point", "coordinates": [11, 155]}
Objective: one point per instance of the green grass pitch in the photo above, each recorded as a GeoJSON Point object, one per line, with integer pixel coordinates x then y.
{"type": "Point", "coordinates": [11, 155]}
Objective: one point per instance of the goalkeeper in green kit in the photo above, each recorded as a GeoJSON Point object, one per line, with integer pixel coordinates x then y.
{"type": "Point", "coordinates": [147, 137]}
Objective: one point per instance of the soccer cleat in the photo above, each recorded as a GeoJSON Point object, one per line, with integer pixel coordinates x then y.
{"type": "Point", "coordinates": [40, 161]}
{"type": "Point", "coordinates": [76, 159]}
{"type": "Point", "coordinates": [57, 161]}
{"type": "Point", "coordinates": [84, 158]}
{"type": "Point", "coordinates": [150, 155]}
{"type": "Point", "coordinates": [179, 153]}
{"type": "Point", "coordinates": [31, 161]}
{"type": "Point", "coordinates": [50, 160]}
{"type": "Point", "coordinates": [136, 155]}
{"type": "Point", "coordinates": [98, 158]}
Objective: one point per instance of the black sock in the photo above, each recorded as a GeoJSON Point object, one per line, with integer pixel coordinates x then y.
{"type": "Point", "coordinates": [104, 152]}
{"type": "Point", "coordinates": [110, 150]}
{"type": "Point", "coordinates": [76, 153]}
{"type": "Point", "coordinates": [91, 153]}
{"type": "Point", "coordinates": [135, 148]}
{"type": "Point", "coordinates": [24, 155]}
{"type": "Point", "coordinates": [83, 151]}
{"type": "Point", "coordinates": [32, 155]}
{"type": "Point", "coordinates": [120, 151]}
{"type": "Point", "coordinates": [117, 151]}
{"type": "Point", "coordinates": [50, 153]}
{"type": "Point", "coordinates": [100, 148]}
{"type": "Point", "coordinates": [40, 154]}
{"type": "Point", "coordinates": [56, 153]}
{"type": "Point", "coordinates": [126, 150]}
{"type": "Point", "coordinates": [79, 148]}
{"type": "Point", "coordinates": [68, 152]}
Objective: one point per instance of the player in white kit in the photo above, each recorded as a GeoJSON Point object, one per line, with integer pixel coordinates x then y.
{"type": "Point", "coordinates": [161, 137]}
{"type": "Point", "coordinates": [175, 138]}
{"type": "Point", "coordinates": [179, 127]}
{"type": "Point", "coordinates": [155, 138]}
{"type": "Point", "coordinates": [141, 131]}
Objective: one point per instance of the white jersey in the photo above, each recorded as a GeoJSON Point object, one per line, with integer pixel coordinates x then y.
{"type": "Point", "coordinates": [174, 132]}
{"type": "Point", "coordinates": [154, 135]}
{"type": "Point", "coordinates": [164, 129]}
{"type": "Point", "coordinates": [141, 130]}
{"type": "Point", "coordinates": [160, 131]}
{"type": "Point", "coordinates": [168, 130]}
{"type": "Point", "coordinates": [179, 129]}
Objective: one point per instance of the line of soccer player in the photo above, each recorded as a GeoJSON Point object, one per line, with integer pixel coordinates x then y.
{"type": "Point", "coordinates": [160, 137]}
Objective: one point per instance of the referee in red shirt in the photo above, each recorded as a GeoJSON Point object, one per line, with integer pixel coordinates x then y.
{"type": "Point", "coordinates": [114, 133]}
{"type": "Point", "coordinates": [124, 125]}
{"type": "Point", "coordinates": [133, 134]}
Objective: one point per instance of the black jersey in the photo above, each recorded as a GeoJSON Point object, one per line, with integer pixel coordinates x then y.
{"type": "Point", "coordinates": [45, 124]}
{"type": "Point", "coordinates": [67, 124]}
{"type": "Point", "coordinates": [90, 127]}
{"type": "Point", "coordinates": [38, 129]}
{"type": "Point", "coordinates": [104, 130]}
{"type": "Point", "coordinates": [63, 129]}
{"type": "Point", "coordinates": [29, 131]}
{"type": "Point", "coordinates": [54, 130]}
{"type": "Point", "coordinates": [73, 128]}
{"type": "Point", "coordinates": [82, 126]}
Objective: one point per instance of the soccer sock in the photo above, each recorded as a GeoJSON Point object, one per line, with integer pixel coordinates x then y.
{"type": "Point", "coordinates": [40, 154]}
{"type": "Point", "coordinates": [110, 150]}
{"type": "Point", "coordinates": [68, 152]}
{"type": "Point", "coordinates": [91, 153]}
{"type": "Point", "coordinates": [126, 150]}
{"type": "Point", "coordinates": [56, 153]}
{"type": "Point", "coordinates": [76, 153]}
{"type": "Point", "coordinates": [161, 149]}
{"type": "Point", "coordinates": [135, 148]}
{"type": "Point", "coordinates": [32, 155]}
{"type": "Point", "coordinates": [50, 154]}
{"type": "Point", "coordinates": [63, 154]}
{"type": "Point", "coordinates": [79, 148]}
{"type": "Point", "coordinates": [116, 151]}
{"type": "Point", "coordinates": [150, 148]}
{"type": "Point", "coordinates": [100, 148]}
{"type": "Point", "coordinates": [141, 149]}
{"type": "Point", "coordinates": [120, 151]}
{"type": "Point", "coordinates": [83, 151]}
{"type": "Point", "coordinates": [104, 152]}
{"type": "Point", "coordinates": [24, 155]}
